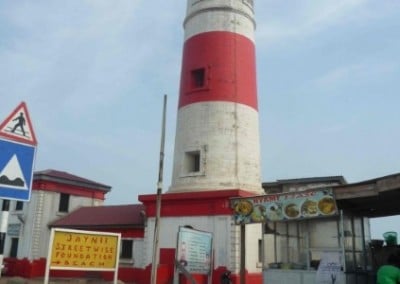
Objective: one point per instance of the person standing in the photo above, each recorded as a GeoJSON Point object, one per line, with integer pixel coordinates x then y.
{"type": "Point", "coordinates": [389, 273]}
{"type": "Point", "coordinates": [226, 277]}
{"type": "Point", "coordinates": [20, 123]}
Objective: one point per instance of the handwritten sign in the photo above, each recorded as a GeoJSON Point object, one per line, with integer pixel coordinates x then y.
{"type": "Point", "coordinates": [330, 268]}
{"type": "Point", "coordinates": [284, 206]}
{"type": "Point", "coordinates": [84, 250]}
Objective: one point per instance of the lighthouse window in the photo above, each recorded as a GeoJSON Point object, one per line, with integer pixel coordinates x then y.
{"type": "Point", "coordinates": [193, 161]}
{"type": "Point", "coordinates": [198, 78]}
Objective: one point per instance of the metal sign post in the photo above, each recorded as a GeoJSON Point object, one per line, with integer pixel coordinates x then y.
{"type": "Point", "coordinates": [17, 155]}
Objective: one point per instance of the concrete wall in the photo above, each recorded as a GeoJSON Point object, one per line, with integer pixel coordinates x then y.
{"type": "Point", "coordinates": [226, 240]}
{"type": "Point", "coordinates": [33, 220]}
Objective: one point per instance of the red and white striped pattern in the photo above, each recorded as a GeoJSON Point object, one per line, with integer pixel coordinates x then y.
{"type": "Point", "coordinates": [218, 119]}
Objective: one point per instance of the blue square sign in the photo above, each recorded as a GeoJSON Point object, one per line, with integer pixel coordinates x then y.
{"type": "Point", "coordinates": [16, 170]}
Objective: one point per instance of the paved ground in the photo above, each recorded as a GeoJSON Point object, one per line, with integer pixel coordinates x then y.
{"type": "Point", "coordinates": [19, 280]}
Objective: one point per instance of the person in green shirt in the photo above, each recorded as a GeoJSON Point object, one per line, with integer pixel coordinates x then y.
{"type": "Point", "coordinates": [390, 272]}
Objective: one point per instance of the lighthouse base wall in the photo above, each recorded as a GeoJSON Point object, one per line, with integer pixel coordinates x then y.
{"type": "Point", "coordinates": [208, 212]}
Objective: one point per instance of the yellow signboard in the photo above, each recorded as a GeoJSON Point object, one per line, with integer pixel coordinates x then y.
{"type": "Point", "coordinates": [74, 249]}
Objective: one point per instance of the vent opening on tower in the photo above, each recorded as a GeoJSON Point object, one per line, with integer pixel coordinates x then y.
{"type": "Point", "coordinates": [198, 78]}
{"type": "Point", "coordinates": [192, 162]}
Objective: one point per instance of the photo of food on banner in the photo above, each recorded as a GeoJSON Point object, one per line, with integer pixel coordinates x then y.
{"type": "Point", "coordinates": [284, 207]}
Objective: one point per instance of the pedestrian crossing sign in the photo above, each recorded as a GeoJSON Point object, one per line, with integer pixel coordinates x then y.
{"type": "Point", "coordinates": [18, 126]}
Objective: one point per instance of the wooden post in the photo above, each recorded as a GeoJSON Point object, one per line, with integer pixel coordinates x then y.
{"type": "Point", "coordinates": [154, 263]}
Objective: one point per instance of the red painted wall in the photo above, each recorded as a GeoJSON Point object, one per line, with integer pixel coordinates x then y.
{"type": "Point", "coordinates": [68, 189]}
{"type": "Point", "coordinates": [208, 203]}
{"type": "Point", "coordinates": [229, 62]}
{"type": "Point", "coordinates": [36, 269]}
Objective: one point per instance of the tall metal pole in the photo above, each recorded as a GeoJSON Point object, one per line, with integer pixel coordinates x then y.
{"type": "Point", "coordinates": [242, 254]}
{"type": "Point", "coordinates": [154, 264]}
{"type": "Point", "coordinates": [3, 229]}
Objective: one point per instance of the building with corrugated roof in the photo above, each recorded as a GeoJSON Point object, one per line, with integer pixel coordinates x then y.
{"type": "Point", "coordinates": [54, 195]}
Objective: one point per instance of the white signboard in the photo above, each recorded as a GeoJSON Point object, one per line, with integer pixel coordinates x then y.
{"type": "Point", "coordinates": [13, 230]}
{"type": "Point", "coordinates": [194, 250]}
{"type": "Point", "coordinates": [330, 268]}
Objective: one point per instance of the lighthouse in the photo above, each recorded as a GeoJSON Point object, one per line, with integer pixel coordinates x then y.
{"type": "Point", "coordinates": [217, 149]}
{"type": "Point", "coordinates": [217, 133]}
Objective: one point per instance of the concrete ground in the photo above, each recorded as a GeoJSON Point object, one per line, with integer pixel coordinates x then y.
{"type": "Point", "coordinates": [19, 280]}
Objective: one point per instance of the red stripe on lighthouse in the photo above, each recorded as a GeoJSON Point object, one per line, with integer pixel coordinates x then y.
{"type": "Point", "coordinates": [218, 66]}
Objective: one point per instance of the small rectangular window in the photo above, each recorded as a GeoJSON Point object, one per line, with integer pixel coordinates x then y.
{"type": "Point", "coordinates": [198, 78]}
{"type": "Point", "coordinates": [126, 249]}
{"type": "Point", "coordinates": [193, 161]}
{"type": "Point", "coordinates": [19, 205]}
{"type": "Point", "coordinates": [64, 203]}
{"type": "Point", "coordinates": [14, 247]}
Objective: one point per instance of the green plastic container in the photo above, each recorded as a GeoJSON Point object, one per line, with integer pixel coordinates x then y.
{"type": "Point", "coordinates": [390, 238]}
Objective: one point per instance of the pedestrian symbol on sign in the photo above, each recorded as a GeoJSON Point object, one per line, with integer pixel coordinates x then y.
{"type": "Point", "coordinates": [20, 123]}
{"type": "Point", "coordinates": [18, 126]}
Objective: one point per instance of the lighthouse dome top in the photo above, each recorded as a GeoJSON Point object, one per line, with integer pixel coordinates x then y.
{"type": "Point", "coordinates": [192, 3]}
{"type": "Point", "coordinates": [219, 15]}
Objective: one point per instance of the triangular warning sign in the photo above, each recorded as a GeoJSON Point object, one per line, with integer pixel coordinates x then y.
{"type": "Point", "coordinates": [18, 126]}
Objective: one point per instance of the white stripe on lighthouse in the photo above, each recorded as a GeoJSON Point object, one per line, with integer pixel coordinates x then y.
{"type": "Point", "coordinates": [227, 135]}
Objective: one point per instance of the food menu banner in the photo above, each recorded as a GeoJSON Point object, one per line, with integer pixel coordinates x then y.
{"type": "Point", "coordinates": [284, 206]}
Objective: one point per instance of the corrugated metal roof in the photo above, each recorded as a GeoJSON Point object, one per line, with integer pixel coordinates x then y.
{"type": "Point", "coordinates": [103, 216]}
{"type": "Point", "coordinates": [67, 178]}
{"type": "Point", "coordinates": [339, 179]}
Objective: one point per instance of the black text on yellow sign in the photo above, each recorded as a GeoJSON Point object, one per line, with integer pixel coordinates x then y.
{"type": "Point", "coordinates": [81, 250]}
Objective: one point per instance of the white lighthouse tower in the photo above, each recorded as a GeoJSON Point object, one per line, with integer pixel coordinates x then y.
{"type": "Point", "coordinates": [217, 135]}
{"type": "Point", "coordinates": [217, 148]}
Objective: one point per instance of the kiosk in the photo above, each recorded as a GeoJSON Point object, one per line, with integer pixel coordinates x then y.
{"type": "Point", "coordinates": [328, 249]}
{"type": "Point", "coordinates": [322, 235]}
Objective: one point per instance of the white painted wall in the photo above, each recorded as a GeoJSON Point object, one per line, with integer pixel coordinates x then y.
{"type": "Point", "coordinates": [230, 153]}
{"type": "Point", "coordinates": [42, 209]}
{"type": "Point", "coordinates": [205, 16]}
{"type": "Point", "coordinates": [253, 235]}
{"type": "Point", "coordinates": [226, 239]}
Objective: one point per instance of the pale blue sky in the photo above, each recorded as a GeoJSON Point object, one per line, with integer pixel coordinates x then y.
{"type": "Point", "coordinates": [93, 74]}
